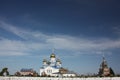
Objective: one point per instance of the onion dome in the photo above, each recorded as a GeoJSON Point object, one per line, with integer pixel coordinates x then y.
{"type": "Point", "coordinates": [44, 60]}
{"type": "Point", "coordinates": [58, 60]}
{"type": "Point", "coordinates": [52, 55]}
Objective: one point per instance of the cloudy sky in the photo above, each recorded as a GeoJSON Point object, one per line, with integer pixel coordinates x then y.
{"type": "Point", "coordinates": [80, 31]}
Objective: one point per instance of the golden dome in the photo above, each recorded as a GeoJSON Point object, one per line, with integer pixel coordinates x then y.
{"type": "Point", "coordinates": [52, 55]}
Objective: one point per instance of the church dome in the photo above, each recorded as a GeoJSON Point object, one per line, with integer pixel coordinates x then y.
{"type": "Point", "coordinates": [58, 60]}
{"type": "Point", "coordinates": [52, 55]}
{"type": "Point", "coordinates": [44, 60]}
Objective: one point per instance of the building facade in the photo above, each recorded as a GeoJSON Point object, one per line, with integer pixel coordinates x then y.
{"type": "Point", "coordinates": [26, 72]}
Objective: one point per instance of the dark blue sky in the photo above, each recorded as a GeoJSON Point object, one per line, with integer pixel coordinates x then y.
{"type": "Point", "coordinates": [77, 29]}
{"type": "Point", "coordinates": [65, 16]}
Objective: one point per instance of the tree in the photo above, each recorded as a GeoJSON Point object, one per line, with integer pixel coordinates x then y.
{"type": "Point", "coordinates": [100, 72]}
{"type": "Point", "coordinates": [112, 72]}
{"type": "Point", "coordinates": [4, 72]}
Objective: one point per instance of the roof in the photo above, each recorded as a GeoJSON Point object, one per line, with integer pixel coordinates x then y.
{"type": "Point", "coordinates": [26, 70]}
{"type": "Point", "coordinates": [52, 55]}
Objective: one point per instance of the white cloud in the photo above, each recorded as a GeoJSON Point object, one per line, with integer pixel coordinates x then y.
{"type": "Point", "coordinates": [116, 30]}
{"type": "Point", "coordinates": [35, 40]}
{"type": "Point", "coordinates": [83, 44]}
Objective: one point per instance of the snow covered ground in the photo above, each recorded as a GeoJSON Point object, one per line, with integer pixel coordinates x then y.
{"type": "Point", "coordinates": [46, 78]}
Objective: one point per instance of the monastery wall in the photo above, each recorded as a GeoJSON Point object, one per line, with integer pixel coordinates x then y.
{"type": "Point", "coordinates": [46, 78]}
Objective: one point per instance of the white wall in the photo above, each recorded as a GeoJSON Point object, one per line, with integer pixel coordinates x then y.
{"type": "Point", "coordinates": [52, 70]}
{"type": "Point", "coordinates": [46, 78]}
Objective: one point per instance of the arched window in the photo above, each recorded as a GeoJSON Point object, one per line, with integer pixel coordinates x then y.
{"type": "Point", "coordinates": [49, 71]}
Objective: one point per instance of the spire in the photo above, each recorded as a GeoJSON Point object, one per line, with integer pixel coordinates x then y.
{"type": "Point", "coordinates": [104, 63]}
{"type": "Point", "coordinates": [103, 57]}
{"type": "Point", "coordinates": [53, 55]}
{"type": "Point", "coordinates": [53, 50]}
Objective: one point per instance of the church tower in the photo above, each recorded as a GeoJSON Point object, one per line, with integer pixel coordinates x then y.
{"type": "Point", "coordinates": [45, 63]}
{"type": "Point", "coordinates": [58, 63]}
{"type": "Point", "coordinates": [104, 70]}
{"type": "Point", "coordinates": [52, 59]}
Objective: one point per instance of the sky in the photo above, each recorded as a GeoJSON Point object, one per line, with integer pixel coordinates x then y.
{"type": "Point", "coordinates": [80, 31]}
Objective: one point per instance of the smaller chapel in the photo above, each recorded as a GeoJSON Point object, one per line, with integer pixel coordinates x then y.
{"type": "Point", "coordinates": [52, 67]}
{"type": "Point", "coordinates": [104, 70]}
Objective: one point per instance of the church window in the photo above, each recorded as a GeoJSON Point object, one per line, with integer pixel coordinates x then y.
{"type": "Point", "coordinates": [49, 71]}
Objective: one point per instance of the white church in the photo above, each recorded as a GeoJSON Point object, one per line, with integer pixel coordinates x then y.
{"type": "Point", "coordinates": [52, 67]}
